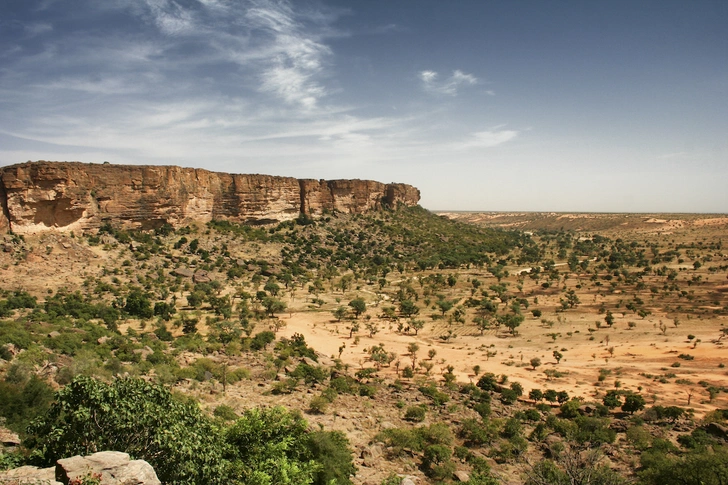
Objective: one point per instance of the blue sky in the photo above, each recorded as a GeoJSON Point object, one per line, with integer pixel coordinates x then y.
{"type": "Point", "coordinates": [616, 106]}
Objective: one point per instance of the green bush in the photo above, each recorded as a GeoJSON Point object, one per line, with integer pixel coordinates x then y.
{"type": "Point", "coordinates": [415, 414]}
{"type": "Point", "coordinates": [130, 415]}
{"type": "Point", "coordinates": [331, 450]}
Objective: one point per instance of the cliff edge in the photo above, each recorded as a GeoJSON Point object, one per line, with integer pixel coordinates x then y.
{"type": "Point", "coordinates": [73, 196]}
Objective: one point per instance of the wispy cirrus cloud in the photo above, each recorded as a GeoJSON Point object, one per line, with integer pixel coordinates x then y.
{"type": "Point", "coordinates": [295, 58]}
{"type": "Point", "coordinates": [236, 85]}
{"type": "Point", "coordinates": [450, 86]}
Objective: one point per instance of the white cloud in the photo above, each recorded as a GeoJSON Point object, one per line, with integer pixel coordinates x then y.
{"type": "Point", "coordinates": [294, 57]}
{"type": "Point", "coordinates": [170, 17]}
{"type": "Point", "coordinates": [487, 139]}
{"type": "Point", "coordinates": [449, 86]}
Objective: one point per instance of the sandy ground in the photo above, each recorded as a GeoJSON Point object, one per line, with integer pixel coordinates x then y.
{"type": "Point", "coordinates": [637, 354]}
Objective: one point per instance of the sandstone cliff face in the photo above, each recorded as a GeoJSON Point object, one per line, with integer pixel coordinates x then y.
{"type": "Point", "coordinates": [72, 196]}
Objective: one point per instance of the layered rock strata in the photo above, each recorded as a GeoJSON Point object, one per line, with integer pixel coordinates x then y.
{"type": "Point", "coordinates": [73, 196]}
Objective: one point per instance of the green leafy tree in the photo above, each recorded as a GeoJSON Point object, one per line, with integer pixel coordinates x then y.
{"type": "Point", "coordinates": [331, 450]}
{"type": "Point", "coordinates": [511, 321]}
{"type": "Point", "coordinates": [444, 305]}
{"type": "Point", "coordinates": [340, 312]}
{"type": "Point", "coordinates": [268, 447]}
{"type": "Point", "coordinates": [138, 304]}
{"type": "Point", "coordinates": [612, 400]}
{"type": "Point", "coordinates": [408, 308]}
{"type": "Point", "coordinates": [273, 305]}
{"type": "Point", "coordinates": [358, 306]}
{"type": "Point", "coordinates": [136, 417]}
{"type": "Point", "coordinates": [633, 403]}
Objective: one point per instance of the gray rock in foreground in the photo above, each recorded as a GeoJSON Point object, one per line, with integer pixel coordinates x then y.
{"type": "Point", "coordinates": [113, 467]}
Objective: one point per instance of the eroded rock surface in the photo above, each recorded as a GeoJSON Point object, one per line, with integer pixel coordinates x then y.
{"type": "Point", "coordinates": [110, 467]}
{"type": "Point", "coordinates": [68, 196]}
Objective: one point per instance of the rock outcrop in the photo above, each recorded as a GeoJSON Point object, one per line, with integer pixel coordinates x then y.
{"type": "Point", "coordinates": [109, 467]}
{"type": "Point", "coordinates": [73, 196]}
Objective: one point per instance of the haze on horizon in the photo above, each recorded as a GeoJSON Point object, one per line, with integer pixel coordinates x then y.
{"type": "Point", "coordinates": [493, 106]}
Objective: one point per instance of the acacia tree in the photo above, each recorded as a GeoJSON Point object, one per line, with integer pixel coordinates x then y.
{"type": "Point", "coordinates": [340, 312]}
{"type": "Point", "coordinates": [358, 306]}
{"type": "Point", "coordinates": [408, 308]}
{"type": "Point", "coordinates": [511, 321]}
{"type": "Point", "coordinates": [273, 305]}
{"type": "Point", "coordinates": [633, 403]}
{"type": "Point", "coordinates": [416, 325]}
{"type": "Point", "coordinates": [412, 348]}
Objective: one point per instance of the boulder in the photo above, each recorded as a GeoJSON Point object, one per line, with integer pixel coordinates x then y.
{"type": "Point", "coordinates": [717, 430]}
{"type": "Point", "coordinates": [8, 438]}
{"type": "Point", "coordinates": [29, 474]}
{"type": "Point", "coordinates": [113, 468]}
{"type": "Point", "coordinates": [201, 276]}
{"type": "Point", "coordinates": [461, 476]}
{"type": "Point", "coordinates": [371, 456]}
{"type": "Point", "coordinates": [184, 272]}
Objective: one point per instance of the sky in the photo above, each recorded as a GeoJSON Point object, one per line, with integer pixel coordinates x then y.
{"type": "Point", "coordinates": [484, 105]}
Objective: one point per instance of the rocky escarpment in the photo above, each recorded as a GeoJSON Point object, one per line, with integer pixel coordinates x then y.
{"type": "Point", "coordinates": [67, 196]}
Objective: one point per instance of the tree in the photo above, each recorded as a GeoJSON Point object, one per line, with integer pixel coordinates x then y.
{"type": "Point", "coordinates": [331, 450]}
{"type": "Point", "coordinates": [416, 325]}
{"type": "Point", "coordinates": [272, 287]}
{"type": "Point", "coordinates": [558, 356]}
{"type": "Point", "coordinates": [273, 305]}
{"type": "Point", "coordinates": [408, 308]}
{"type": "Point", "coordinates": [340, 312]}
{"type": "Point", "coordinates": [609, 318]}
{"type": "Point", "coordinates": [633, 403]}
{"type": "Point", "coordinates": [358, 306]}
{"type": "Point", "coordinates": [511, 321]}
{"type": "Point", "coordinates": [268, 446]}
{"type": "Point", "coordinates": [574, 467]}
{"type": "Point", "coordinates": [483, 323]}
{"type": "Point", "coordinates": [612, 400]}
{"type": "Point", "coordinates": [535, 395]}
{"type": "Point", "coordinates": [444, 305]}
{"type": "Point", "coordinates": [136, 417]}
{"type": "Point", "coordinates": [535, 362]}
{"type": "Point", "coordinates": [138, 304]}
{"type": "Point", "coordinates": [452, 280]}
{"type": "Point", "coordinates": [571, 300]}
{"type": "Point", "coordinates": [550, 395]}
{"type": "Point", "coordinates": [412, 348]}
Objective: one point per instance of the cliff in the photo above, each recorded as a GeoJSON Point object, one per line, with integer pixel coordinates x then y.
{"type": "Point", "coordinates": [66, 196]}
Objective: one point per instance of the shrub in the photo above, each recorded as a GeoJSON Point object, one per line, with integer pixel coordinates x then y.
{"type": "Point", "coordinates": [130, 415]}
{"type": "Point", "coordinates": [262, 339]}
{"type": "Point", "coordinates": [331, 450]}
{"type": "Point", "coordinates": [415, 414]}
{"type": "Point", "coordinates": [318, 405]}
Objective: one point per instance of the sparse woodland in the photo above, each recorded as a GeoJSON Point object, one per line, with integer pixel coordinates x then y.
{"type": "Point", "coordinates": [362, 349]}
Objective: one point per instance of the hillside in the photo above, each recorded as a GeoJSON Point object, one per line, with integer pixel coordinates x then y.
{"type": "Point", "coordinates": [433, 346]}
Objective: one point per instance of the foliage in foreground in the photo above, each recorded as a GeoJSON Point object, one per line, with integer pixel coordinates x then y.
{"type": "Point", "coordinates": [264, 447]}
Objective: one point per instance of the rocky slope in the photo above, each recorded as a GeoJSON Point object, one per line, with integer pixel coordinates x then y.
{"type": "Point", "coordinates": [66, 196]}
